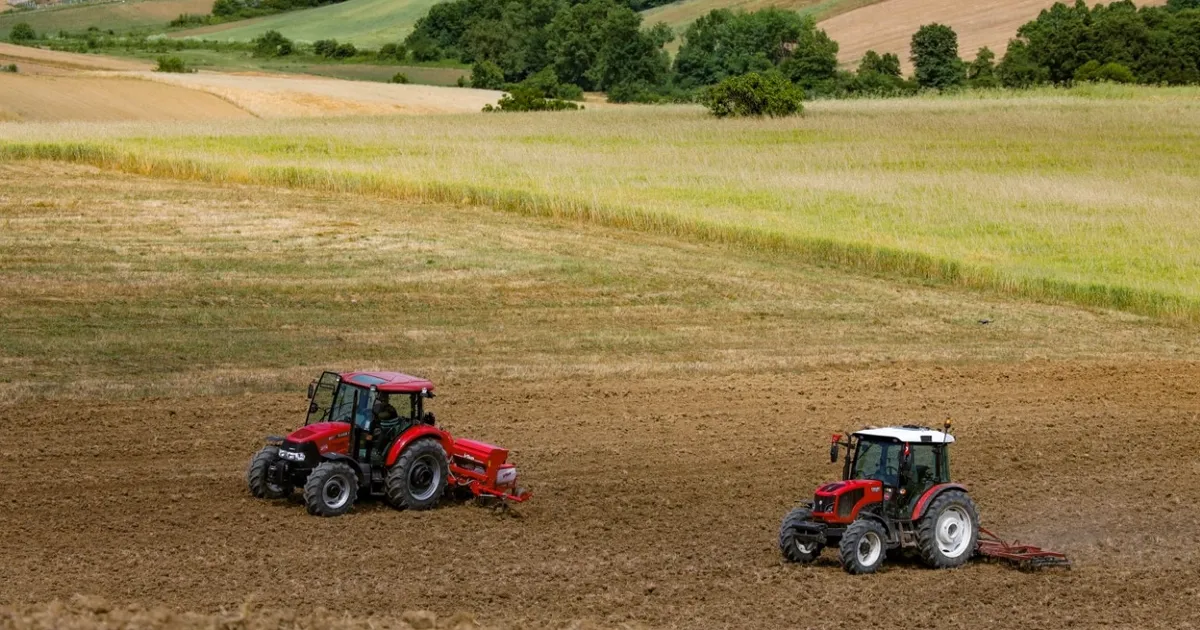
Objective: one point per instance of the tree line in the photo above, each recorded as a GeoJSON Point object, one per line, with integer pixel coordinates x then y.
{"type": "Point", "coordinates": [603, 45]}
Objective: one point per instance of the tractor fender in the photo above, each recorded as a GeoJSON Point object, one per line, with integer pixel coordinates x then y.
{"type": "Point", "coordinates": [416, 432]}
{"type": "Point", "coordinates": [927, 498]}
{"type": "Point", "coordinates": [868, 514]}
{"type": "Point", "coordinates": [349, 461]}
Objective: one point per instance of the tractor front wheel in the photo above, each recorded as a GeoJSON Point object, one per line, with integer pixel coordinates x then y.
{"type": "Point", "coordinates": [790, 544]}
{"type": "Point", "coordinates": [863, 547]}
{"type": "Point", "coordinates": [331, 489]}
{"type": "Point", "coordinates": [258, 476]}
{"type": "Point", "coordinates": [418, 479]}
{"type": "Point", "coordinates": [948, 531]}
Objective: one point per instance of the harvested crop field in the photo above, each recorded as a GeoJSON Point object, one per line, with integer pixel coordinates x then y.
{"type": "Point", "coordinates": [94, 98]}
{"type": "Point", "coordinates": [666, 401]}
{"type": "Point", "coordinates": [119, 16]}
{"type": "Point", "coordinates": [889, 25]}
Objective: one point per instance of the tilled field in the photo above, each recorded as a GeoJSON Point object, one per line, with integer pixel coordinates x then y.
{"type": "Point", "coordinates": [656, 503]}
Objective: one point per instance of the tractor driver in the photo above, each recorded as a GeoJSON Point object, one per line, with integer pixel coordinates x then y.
{"type": "Point", "coordinates": [383, 409]}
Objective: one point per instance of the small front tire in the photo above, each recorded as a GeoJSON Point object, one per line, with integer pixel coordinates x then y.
{"type": "Point", "coordinates": [258, 475]}
{"type": "Point", "coordinates": [863, 547]}
{"type": "Point", "coordinates": [790, 545]}
{"type": "Point", "coordinates": [331, 489]}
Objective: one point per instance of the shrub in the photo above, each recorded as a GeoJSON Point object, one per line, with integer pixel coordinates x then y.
{"type": "Point", "coordinates": [184, 20]}
{"type": "Point", "coordinates": [22, 32]}
{"type": "Point", "coordinates": [393, 51]}
{"type": "Point", "coordinates": [12, 67]}
{"type": "Point", "coordinates": [935, 57]}
{"type": "Point", "coordinates": [344, 51]}
{"type": "Point", "coordinates": [755, 94]}
{"type": "Point", "coordinates": [523, 99]}
{"type": "Point", "coordinates": [171, 64]}
{"type": "Point", "coordinates": [272, 44]}
{"type": "Point", "coordinates": [325, 47]}
{"type": "Point", "coordinates": [462, 81]}
{"type": "Point", "coordinates": [1111, 72]}
{"type": "Point", "coordinates": [399, 77]}
{"type": "Point", "coordinates": [487, 75]}
{"type": "Point", "coordinates": [545, 84]}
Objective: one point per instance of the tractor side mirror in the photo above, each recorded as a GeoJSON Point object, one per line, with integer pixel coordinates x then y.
{"type": "Point", "coordinates": [833, 453]}
{"type": "Point", "coordinates": [312, 406]}
{"type": "Point", "coordinates": [312, 389]}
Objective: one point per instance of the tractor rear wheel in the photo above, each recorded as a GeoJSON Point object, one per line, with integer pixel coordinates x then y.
{"type": "Point", "coordinates": [863, 547]}
{"type": "Point", "coordinates": [258, 476]}
{"type": "Point", "coordinates": [948, 531]}
{"type": "Point", "coordinates": [418, 479]}
{"type": "Point", "coordinates": [794, 549]}
{"type": "Point", "coordinates": [331, 489]}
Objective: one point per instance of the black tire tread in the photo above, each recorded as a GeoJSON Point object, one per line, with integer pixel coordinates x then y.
{"type": "Point", "coordinates": [316, 481]}
{"type": "Point", "coordinates": [787, 541]}
{"type": "Point", "coordinates": [927, 530]}
{"type": "Point", "coordinates": [396, 484]}
{"type": "Point", "coordinates": [256, 474]}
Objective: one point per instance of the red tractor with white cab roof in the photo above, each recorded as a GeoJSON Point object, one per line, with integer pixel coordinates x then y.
{"type": "Point", "coordinates": [355, 442]}
{"type": "Point", "coordinates": [895, 493]}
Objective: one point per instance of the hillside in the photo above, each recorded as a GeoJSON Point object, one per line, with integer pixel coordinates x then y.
{"type": "Point", "coordinates": [889, 25]}
{"type": "Point", "coordinates": [678, 15]}
{"type": "Point", "coordinates": [118, 16]}
{"type": "Point", "coordinates": [363, 22]}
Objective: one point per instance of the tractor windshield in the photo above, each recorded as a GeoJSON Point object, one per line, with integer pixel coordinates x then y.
{"type": "Point", "coordinates": [877, 459]}
{"type": "Point", "coordinates": [351, 404]}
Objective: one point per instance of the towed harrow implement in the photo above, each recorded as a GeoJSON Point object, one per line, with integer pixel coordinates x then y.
{"type": "Point", "coordinates": [1025, 557]}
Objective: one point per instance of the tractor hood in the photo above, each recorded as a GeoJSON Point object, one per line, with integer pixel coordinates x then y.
{"type": "Point", "coordinates": [839, 487]}
{"type": "Point", "coordinates": [326, 436]}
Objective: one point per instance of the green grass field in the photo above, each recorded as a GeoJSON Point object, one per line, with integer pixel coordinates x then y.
{"type": "Point", "coordinates": [121, 17]}
{"type": "Point", "coordinates": [368, 23]}
{"type": "Point", "coordinates": [1085, 196]}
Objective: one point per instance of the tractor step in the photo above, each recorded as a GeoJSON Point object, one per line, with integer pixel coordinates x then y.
{"type": "Point", "coordinates": [1025, 557]}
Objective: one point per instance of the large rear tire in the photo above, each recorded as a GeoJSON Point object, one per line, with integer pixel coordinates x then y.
{"type": "Point", "coordinates": [948, 531]}
{"type": "Point", "coordinates": [418, 479]}
{"type": "Point", "coordinates": [258, 477]}
{"type": "Point", "coordinates": [863, 547]}
{"type": "Point", "coordinates": [792, 548]}
{"type": "Point", "coordinates": [331, 489]}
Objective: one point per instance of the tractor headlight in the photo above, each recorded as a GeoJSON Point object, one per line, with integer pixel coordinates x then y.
{"type": "Point", "coordinates": [294, 456]}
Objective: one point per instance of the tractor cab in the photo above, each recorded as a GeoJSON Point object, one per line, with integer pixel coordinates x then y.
{"type": "Point", "coordinates": [378, 406]}
{"type": "Point", "coordinates": [906, 460]}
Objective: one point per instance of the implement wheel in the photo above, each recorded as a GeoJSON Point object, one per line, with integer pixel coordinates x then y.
{"type": "Point", "coordinates": [790, 545]}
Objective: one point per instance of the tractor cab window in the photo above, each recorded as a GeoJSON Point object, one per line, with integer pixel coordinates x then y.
{"type": "Point", "coordinates": [351, 405]}
{"type": "Point", "coordinates": [879, 460]}
{"type": "Point", "coordinates": [322, 398]}
{"type": "Point", "coordinates": [929, 465]}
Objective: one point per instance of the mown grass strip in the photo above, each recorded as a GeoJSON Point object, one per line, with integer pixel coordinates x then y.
{"type": "Point", "coordinates": [820, 251]}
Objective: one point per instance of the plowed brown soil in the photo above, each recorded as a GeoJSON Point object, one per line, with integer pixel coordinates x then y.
{"type": "Point", "coordinates": [657, 502]}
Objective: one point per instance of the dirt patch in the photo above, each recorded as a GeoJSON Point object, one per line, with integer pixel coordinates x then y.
{"type": "Point", "coordinates": [657, 502]}
{"type": "Point", "coordinates": [889, 26]}
{"type": "Point", "coordinates": [46, 98]}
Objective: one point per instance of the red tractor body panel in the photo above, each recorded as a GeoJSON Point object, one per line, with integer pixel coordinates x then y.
{"type": "Point", "coordinates": [329, 437]}
{"type": "Point", "coordinates": [927, 497]}
{"type": "Point", "coordinates": [839, 502]}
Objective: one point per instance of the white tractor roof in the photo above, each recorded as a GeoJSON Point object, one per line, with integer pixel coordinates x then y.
{"type": "Point", "coordinates": [909, 434]}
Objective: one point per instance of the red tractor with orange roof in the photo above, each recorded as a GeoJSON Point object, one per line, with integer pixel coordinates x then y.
{"type": "Point", "coordinates": [354, 442]}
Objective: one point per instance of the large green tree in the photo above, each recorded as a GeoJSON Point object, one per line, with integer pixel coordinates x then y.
{"type": "Point", "coordinates": [935, 57]}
